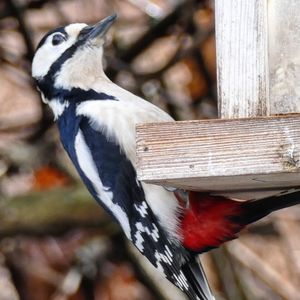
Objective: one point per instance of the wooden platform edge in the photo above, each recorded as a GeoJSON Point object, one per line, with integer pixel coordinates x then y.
{"type": "Point", "coordinates": [221, 154]}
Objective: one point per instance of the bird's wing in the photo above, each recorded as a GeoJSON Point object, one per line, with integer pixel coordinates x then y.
{"type": "Point", "coordinates": [117, 120]}
{"type": "Point", "coordinates": [111, 178]}
{"type": "Point", "coordinates": [151, 240]}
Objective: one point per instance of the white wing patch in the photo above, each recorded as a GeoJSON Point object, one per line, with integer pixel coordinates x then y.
{"type": "Point", "coordinates": [88, 167]}
{"type": "Point", "coordinates": [163, 257]}
{"type": "Point", "coordinates": [139, 240]}
{"type": "Point", "coordinates": [142, 209]}
{"type": "Point", "coordinates": [140, 228]}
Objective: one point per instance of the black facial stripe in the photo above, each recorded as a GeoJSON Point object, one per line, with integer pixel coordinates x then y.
{"type": "Point", "coordinates": [72, 95]}
{"type": "Point", "coordinates": [46, 83]}
{"type": "Point", "coordinates": [56, 66]}
{"type": "Point", "coordinates": [43, 40]}
{"type": "Point", "coordinates": [76, 93]}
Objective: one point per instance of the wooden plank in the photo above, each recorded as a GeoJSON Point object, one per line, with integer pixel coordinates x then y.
{"type": "Point", "coordinates": [218, 155]}
{"type": "Point", "coordinates": [242, 59]}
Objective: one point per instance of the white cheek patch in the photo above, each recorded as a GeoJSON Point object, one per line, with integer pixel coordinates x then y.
{"type": "Point", "coordinates": [88, 167]}
{"type": "Point", "coordinates": [46, 56]}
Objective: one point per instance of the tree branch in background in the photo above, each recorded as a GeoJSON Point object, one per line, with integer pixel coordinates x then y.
{"type": "Point", "coordinates": [53, 212]}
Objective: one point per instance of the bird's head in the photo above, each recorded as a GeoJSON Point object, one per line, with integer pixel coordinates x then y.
{"type": "Point", "coordinates": [69, 57]}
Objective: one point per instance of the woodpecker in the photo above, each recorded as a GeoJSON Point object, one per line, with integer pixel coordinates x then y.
{"type": "Point", "coordinates": [96, 120]}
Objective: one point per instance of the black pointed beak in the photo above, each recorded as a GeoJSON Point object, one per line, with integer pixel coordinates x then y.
{"type": "Point", "coordinates": [99, 29]}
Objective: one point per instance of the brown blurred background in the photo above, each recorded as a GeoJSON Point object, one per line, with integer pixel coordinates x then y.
{"type": "Point", "coordinates": [55, 242]}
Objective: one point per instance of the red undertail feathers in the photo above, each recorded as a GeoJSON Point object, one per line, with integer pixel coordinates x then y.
{"type": "Point", "coordinates": [209, 221]}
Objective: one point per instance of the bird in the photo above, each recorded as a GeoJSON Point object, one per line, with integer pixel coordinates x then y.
{"type": "Point", "coordinates": [96, 120]}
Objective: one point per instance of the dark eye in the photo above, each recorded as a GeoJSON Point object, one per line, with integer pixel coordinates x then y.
{"type": "Point", "coordinates": [58, 39]}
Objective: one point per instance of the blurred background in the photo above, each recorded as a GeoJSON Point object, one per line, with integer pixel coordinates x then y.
{"type": "Point", "coordinates": [55, 241]}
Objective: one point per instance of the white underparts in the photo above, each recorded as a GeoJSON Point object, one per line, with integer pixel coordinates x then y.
{"type": "Point", "coordinates": [165, 206]}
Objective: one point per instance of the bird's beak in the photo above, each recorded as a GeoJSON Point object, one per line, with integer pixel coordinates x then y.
{"type": "Point", "coordinates": [99, 29]}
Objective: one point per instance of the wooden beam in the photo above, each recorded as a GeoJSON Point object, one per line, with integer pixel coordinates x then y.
{"type": "Point", "coordinates": [242, 58]}
{"type": "Point", "coordinates": [221, 155]}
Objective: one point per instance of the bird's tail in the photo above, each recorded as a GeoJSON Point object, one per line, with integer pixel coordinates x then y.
{"type": "Point", "coordinates": [209, 221]}
{"type": "Point", "coordinates": [197, 280]}
{"type": "Point", "coordinates": [257, 209]}
{"type": "Point", "coordinates": [212, 220]}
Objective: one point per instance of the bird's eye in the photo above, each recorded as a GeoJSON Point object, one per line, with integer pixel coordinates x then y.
{"type": "Point", "coordinates": [58, 39]}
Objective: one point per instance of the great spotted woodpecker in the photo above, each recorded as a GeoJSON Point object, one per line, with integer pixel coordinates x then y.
{"type": "Point", "coordinates": [96, 120]}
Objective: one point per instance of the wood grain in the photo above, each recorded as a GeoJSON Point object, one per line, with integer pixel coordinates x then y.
{"type": "Point", "coordinates": [221, 155]}
{"type": "Point", "coordinates": [242, 60]}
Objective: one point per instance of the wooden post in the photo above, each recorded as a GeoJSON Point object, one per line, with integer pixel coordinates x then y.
{"type": "Point", "coordinates": [242, 58]}
{"type": "Point", "coordinates": [244, 75]}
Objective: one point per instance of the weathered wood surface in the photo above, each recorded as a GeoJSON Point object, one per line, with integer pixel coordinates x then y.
{"type": "Point", "coordinates": [242, 58]}
{"type": "Point", "coordinates": [221, 155]}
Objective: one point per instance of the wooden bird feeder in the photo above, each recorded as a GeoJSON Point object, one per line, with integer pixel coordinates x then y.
{"type": "Point", "coordinates": [253, 149]}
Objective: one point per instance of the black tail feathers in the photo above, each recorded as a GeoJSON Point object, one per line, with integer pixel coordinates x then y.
{"type": "Point", "coordinates": [257, 209]}
{"type": "Point", "coordinates": [197, 281]}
